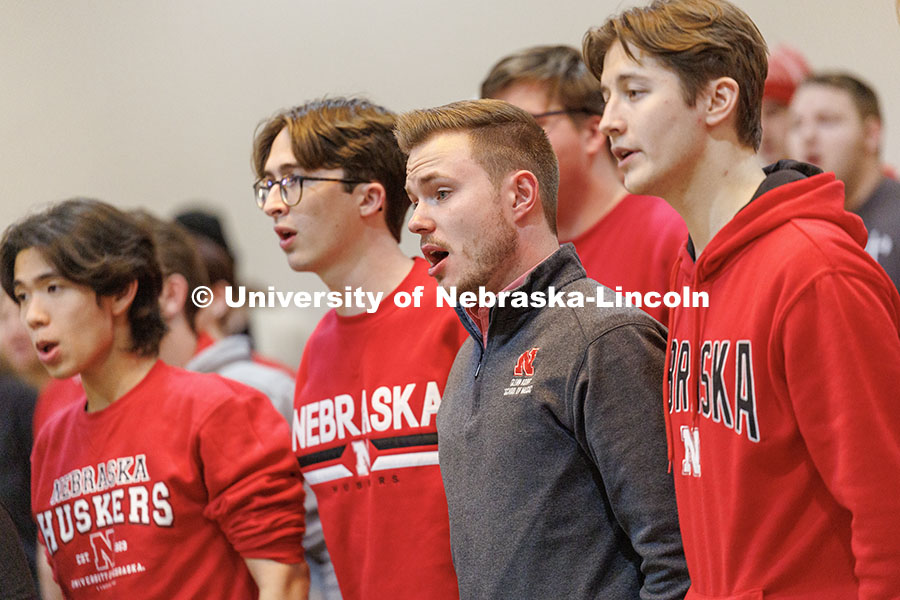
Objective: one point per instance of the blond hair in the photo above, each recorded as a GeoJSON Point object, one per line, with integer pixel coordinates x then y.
{"type": "Point", "coordinates": [503, 139]}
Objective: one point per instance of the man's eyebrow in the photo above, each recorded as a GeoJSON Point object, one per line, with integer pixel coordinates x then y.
{"type": "Point", "coordinates": [281, 169]}
{"type": "Point", "coordinates": [424, 179]}
{"type": "Point", "coordinates": [39, 279]}
{"type": "Point", "coordinates": [626, 77]}
{"type": "Point", "coordinates": [430, 176]}
{"type": "Point", "coordinates": [621, 81]}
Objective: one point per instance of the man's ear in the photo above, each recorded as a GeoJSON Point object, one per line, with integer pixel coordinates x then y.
{"type": "Point", "coordinates": [372, 199]}
{"type": "Point", "coordinates": [219, 307]}
{"type": "Point", "coordinates": [720, 100]}
{"type": "Point", "coordinates": [174, 295]}
{"type": "Point", "coordinates": [524, 190]}
{"type": "Point", "coordinates": [121, 301]}
{"type": "Point", "coordinates": [209, 319]}
{"type": "Point", "coordinates": [592, 139]}
{"type": "Point", "coordinates": [872, 129]}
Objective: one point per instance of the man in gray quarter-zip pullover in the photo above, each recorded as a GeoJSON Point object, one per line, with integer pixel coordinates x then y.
{"type": "Point", "coordinates": [551, 437]}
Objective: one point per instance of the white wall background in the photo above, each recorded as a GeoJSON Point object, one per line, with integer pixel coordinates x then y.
{"type": "Point", "coordinates": [153, 104]}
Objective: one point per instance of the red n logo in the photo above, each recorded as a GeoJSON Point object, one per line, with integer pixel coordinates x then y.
{"type": "Point", "coordinates": [102, 543]}
{"type": "Point", "coordinates": [525, 364]}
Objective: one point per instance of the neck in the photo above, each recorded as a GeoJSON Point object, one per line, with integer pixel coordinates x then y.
{"type": "Point", "coordinates": [121, 372]}
{"type": "Point", "coordinates": [179, 344]}
{"type": "Point", "coordinates": [722, 182]}
{"type": "Point", "coordinates": [582, 204]}
{"type": "Point", "coordinates": [535, 244]}
{"type": "Point", "coordinates": [215, 330]}
{"type": "Point", "coordinates": [377, 265]}
{"type": "Point", "coordinates": [858, 189]}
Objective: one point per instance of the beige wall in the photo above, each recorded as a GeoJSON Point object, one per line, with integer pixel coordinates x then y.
{"type": "Point", "coordinates": [154, 103]}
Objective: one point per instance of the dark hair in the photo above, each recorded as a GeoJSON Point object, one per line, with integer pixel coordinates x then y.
{"type": "Point", "coordinates": [700, 40]}
{"type": "Point", "coordinates": [503, 137]}
{"type": "Point", "coordinates": [176, 252]}
{"type": "Point", "coordinates": [559, 68]}
{"type": "Point", "coordinates": [219, 264]}
{"type": "Point", "coordinates": [863, 96]}
{"type": "Point", "coordinates": [212, 245]}
{"type": "Point", "coordinates": [208, 225]}
{"type": "Point", "coordinates": [343, 133]}
{"type": "Point", "coordinates": [96, 245]}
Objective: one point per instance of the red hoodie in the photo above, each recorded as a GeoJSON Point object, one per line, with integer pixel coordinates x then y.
{"type": "Point", "coordinates": [783, 423]}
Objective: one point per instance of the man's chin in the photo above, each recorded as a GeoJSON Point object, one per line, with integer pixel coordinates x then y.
{"type": "Point", "coordinates": [449, 285]}
{"type": "Point", "coordinates": [635, 185]}
{"type": "Point", "coordinates": [61, 371]}
{"type": "Point", "coordinates": [463, 286]}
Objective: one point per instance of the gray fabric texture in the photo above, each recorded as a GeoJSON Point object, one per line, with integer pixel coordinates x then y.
{"type": "Point", "coordinates": [561, 491]}
{"type": "Point", "coordinates": [881, 214]}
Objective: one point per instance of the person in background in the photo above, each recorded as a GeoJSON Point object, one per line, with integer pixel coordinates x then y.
{"type": "Point", "coordinates": [16, 350]}
{"type": "Point", "coordinates": [215, 251]}
{"type": "Point", "coordinates": [622, 239]}
{"type": "Point", "coordinates": [17, 401]}
{"type": "Point", "coordinates": [15, 579]}
{"type": "Point", "coordinates": [787, 68]}
{"type": "Point", "coordinates": [18, 355]}
{"type": "Point", "coordinates": [189, 261]}
{"type": "Point", "coordinates": [836, 125]}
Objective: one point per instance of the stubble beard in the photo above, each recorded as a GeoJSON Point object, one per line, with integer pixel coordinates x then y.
{"type": "Point", "coordinates": [491, 259]}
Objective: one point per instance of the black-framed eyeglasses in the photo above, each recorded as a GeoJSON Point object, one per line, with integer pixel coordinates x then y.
{"type": "Point", "coordinates": [291, 188]}
{"type": "Point", "coordinates": [562, 111]}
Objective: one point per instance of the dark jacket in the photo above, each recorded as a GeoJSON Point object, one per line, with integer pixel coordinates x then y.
{"type": "Point", "coordinates": [554, 455]}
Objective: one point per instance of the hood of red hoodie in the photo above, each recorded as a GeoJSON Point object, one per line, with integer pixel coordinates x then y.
{"type": "Point", "coordinates": [816, 196]}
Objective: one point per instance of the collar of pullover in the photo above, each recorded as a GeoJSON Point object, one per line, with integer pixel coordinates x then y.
{"type": "Point", "coordinates": [557, 270]}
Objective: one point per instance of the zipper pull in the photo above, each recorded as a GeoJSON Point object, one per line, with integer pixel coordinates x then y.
{"type": "Point", "coordinates": [478, 368]}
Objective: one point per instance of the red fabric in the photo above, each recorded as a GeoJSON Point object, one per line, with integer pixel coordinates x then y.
{"type": "Point", "coordinates": [796, 421]}
{"type": "Point", "coordinates": [787, 68]}
{"type": "Point", "coordinates": [387, 530]}
{"type": "Point", "coordinates": [55, 396]}
{"type": "Point", "coordinates": [634, 246]}
{"type": "Point", "coordinates": [219, 484]}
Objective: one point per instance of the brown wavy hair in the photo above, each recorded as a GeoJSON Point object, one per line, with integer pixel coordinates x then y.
{"type": "Point", "coordinates": [700, 40]}
{"type": "Point", "coordinates": [559, 69]}
{"type": "Point", "coordinates": [98, 246]}
{"type": "Point", "coordinates": [352, 134]}
{"type": "Point", "coordinates": [176, 252]}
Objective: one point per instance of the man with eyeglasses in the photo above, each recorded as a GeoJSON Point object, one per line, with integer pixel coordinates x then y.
{"type": "Point", "coordinates": [622, 239]}
{"type": "Point", "coordinates": [332, 178]}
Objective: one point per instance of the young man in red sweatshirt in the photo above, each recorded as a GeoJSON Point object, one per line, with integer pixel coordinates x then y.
{"type": "Point", "coordinates": [783, 428]}
{"type": "Point", "coordinates": [331, 178]}
{"type": "Point", "coordinates": [157, 483]}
